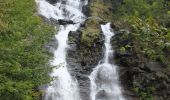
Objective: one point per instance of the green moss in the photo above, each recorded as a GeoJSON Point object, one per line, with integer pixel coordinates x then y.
{"type": "Point", "coordinates": [99, 12]}
{"type": "Point", "coordinates": [89, 35]}
{"type": "Point", "coordinates": [101, 9]}
{"type": "Point", "coordinates": [91, 32]}
{"type": "Point", "coordinates": [147, 95]}
{"type": "Point", "coordinates": [122, 50]}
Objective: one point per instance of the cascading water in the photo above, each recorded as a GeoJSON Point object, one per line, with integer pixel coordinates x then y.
{"type": "Point", "coordinates": [63, 87]}
{"type": "Point", "coordinates": [104, 78]}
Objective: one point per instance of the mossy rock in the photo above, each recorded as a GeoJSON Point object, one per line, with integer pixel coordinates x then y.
{"type": "Point", "coordinates": [100, 9]}
{"type": "Point", "coordinates": [91, 32]}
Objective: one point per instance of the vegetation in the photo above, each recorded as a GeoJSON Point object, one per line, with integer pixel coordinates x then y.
{"type": "Point", "coordinates": [146, 35]}
{"type": "Point", "coordinates": [148, 23]}
{"type": "Point", "coordinates": [148, 39]}
{"type": "Point", "coordinates": [23, 61]}
{"type": "Point", "coordinates": [100, 9]}
{"type": "Point", "coordinates": [157, 10]}
{"type": "Point", "coordinates": [91, 32]}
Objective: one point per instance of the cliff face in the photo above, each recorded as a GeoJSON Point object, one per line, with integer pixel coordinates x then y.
{"type": "Point", "coordinates": [140, 77]}
{"type": "Point", "coordinates": [82, 59]}
{"type": "Point", "coordinates": [86, 46]}
{"type": "Point", "coordinates": [141, 47]}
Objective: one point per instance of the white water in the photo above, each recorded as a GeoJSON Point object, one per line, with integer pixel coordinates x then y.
{"type": "Point", "coordinates": [104, 78]}
{"type": "Point", "coordinates": [63, 87]}
{"type": "Point", "coordinates": [72, 10]}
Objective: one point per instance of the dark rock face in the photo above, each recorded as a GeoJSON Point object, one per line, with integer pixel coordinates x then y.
{"type": "Point", "coordinates": [115, 3]}
{"type": "Point", "coordinates": [65, 22]}
{"type": "Point", "coordinates": [86, 9]}
{"type": "Point", "coordinates": [53, 1]}
{"type": "Point", "coordinates": [82, 60]}
{"type": "Point", "coordinates": [103, 95]}
{"type": "Point", "coordinates": [139, 76]}
{"type": "Point", "coordinates": [55, 22]}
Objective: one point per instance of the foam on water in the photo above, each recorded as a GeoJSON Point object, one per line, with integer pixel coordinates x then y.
{"type": "Point", "coordinates": [67, 10]}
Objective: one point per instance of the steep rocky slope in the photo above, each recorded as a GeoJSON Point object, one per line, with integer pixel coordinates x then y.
{"type": "Point", "coordinates": [143, 74]}
{"type": "Point", "coordinates": [140, 77]}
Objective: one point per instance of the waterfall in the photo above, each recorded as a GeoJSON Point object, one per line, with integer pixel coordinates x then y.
{"type": "Point", "coordinates": [104, 78]}
{"type": "Point", "coordinates": [63, 87]}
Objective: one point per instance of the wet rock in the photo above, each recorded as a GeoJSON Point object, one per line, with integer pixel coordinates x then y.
{"type": "Point", "coordinates": [124, 54]}
{"type": "Point", "coordinates": [81, 60]}
{"type": "Point", "coordinates": [86, 10]}
{"type": "Point", "coordinates": [154, 66]}
{"type": "Point", "coordinates": [83, 63]}
{"type": "Point", "coordinates": [101, 95]}
{"type": "Point", "coordinates": [53, 1]}
{"type": "Point", "coordinates": [65, 22]}
{"type": "Point", "coordinates": [105, 74]}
